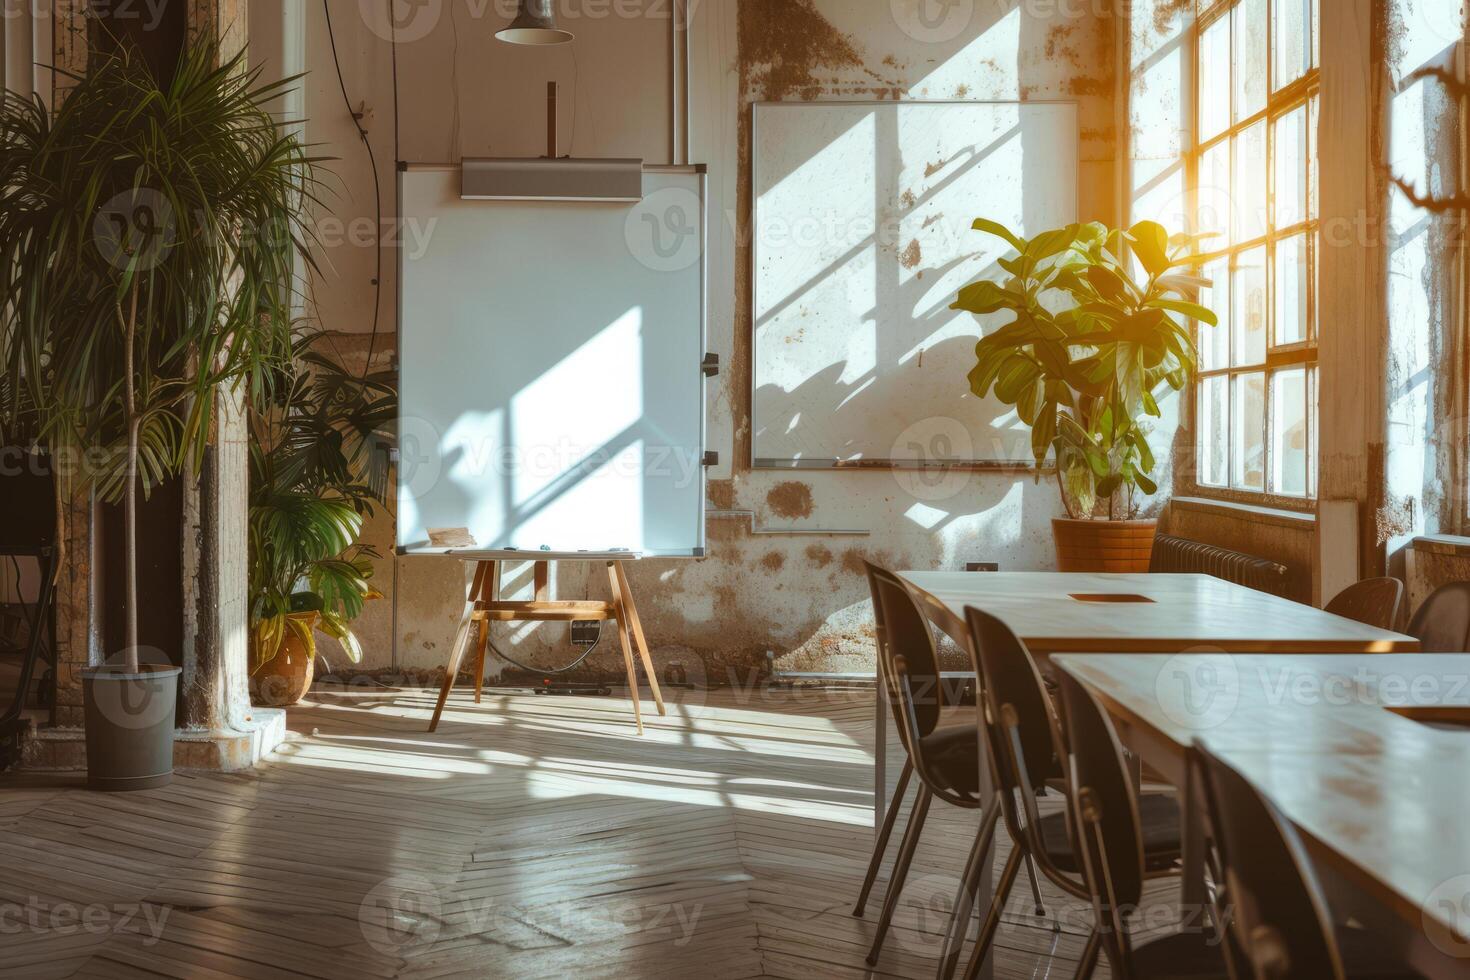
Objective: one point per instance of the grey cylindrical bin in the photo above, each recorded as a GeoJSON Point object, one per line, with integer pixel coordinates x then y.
{"type": "Point", "coordinates": [130, 726]}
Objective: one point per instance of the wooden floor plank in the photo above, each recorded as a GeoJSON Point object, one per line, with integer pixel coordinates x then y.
{"type": "Point", "coordinates": [528, 837]}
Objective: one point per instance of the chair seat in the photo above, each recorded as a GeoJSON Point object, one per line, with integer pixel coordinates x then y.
{"type": "Point", "coordinates": [954, 752]}
{"type": "Point", "coordinates": [1162, 840]}
{"type": "Point", "coordinates": [1182, 956]}
{"type": "Point", "coordinates": [1366, 957]}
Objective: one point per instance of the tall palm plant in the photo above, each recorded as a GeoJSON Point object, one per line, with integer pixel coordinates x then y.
{"type": "Point", "coordinates": [148, 235]}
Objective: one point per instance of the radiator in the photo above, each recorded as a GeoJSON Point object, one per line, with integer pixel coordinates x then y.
{"type": "Point", "coordinates": [1180, 555]}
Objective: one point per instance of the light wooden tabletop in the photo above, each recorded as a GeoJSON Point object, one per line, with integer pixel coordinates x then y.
{"type": "Point", "coordinates": [1147, 613]}
{"type": "Point", "coordinates": [1340, 743]}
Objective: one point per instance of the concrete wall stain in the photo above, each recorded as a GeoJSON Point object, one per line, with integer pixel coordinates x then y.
{"type": "Point", "coordinates": [913, 256]}
{"type": "Point", "coordinates": [774, 561]}
{"type": "Point", "coordinates": [819, 555]}
{"type": "Point", "coordinates": [791, 500]}
{"type": "Point", "coordinates": [783, 43]}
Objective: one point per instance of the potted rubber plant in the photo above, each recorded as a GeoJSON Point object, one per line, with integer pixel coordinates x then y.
{"type": "Point", "coordinates": [318, 467]}
{"type": "Point", "coordinates": [149, 234]}
{"type": "Point", "coordinates": [1088, 349]}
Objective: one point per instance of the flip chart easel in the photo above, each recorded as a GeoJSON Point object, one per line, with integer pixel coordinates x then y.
{"type": "Point", "coordinates": [483, 606]}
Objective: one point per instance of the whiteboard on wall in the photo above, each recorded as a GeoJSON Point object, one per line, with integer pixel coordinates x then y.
{"type": "Point", "coordinates": [862, 239]}
{"type": "Point", "coordinates": [550, 361]}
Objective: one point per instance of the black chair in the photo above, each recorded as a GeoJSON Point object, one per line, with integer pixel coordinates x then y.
{"type": "Point", "coordinates": [945, 757]}
{"type": "Point", "coordinates": [1026, 746]}
{"type": "Point", "coordinates": [1105, 808]}
{"type": "Point", "coordinates": [1281, 923]}
{"type": "Point", "coordinates": [1442, 624]}
{"type": "Point", "coordinates": [1374, 602]}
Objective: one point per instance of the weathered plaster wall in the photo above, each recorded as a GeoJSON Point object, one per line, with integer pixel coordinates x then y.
{"type": "Point", "coordinates": [799, 597]}
{"type": "Point", "coordinates": [1425, 425]}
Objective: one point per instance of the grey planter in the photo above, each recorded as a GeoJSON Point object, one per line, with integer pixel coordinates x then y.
{"type": "Point", "coordinates": [130, 726]}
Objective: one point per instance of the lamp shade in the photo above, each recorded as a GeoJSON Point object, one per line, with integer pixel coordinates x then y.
{"type": "Point", "coordinates": [535, 24]}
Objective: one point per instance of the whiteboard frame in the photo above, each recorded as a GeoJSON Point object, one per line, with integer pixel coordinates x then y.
{"type": "Point", "coordinates": [880, 465]}
{"type": "Point", "coordinates": [702, 530]}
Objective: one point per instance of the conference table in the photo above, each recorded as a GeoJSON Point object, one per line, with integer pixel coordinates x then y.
{"type": "Point", "coordinates": [1368, 756]}
{"type": "Point", "coordinates": [1110, 614]}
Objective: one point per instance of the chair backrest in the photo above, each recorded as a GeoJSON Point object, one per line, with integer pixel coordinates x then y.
{"type": "Point", "coordinates": [1442, 624]}
{"type": "Point", "coordinates": [1375, 602]}
{"type": "Point", "coordinates": [1279, 918]}
{"type": "Point", "coordinates": [1104, 802]}
{"type": "Point", "coordinates": [1009, 677]}
{"type": "Point", "coordinates": [904, 633]}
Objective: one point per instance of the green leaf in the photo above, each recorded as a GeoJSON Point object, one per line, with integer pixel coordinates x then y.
{"type": "Point", "coordinates": [1151, 245]}
{"type": "Point", "coordinates": [999, 231]}
{"type": "Point", "coordinates": [1145, 484]}
{"type": "Point", "coordinates": [1047, 244]}
{"type": "Point", "coordinates": [1108, 283]}
{"type": "Point", "coordinates": [1191, 310]}
{"type": "Point", "coordinates": [984, 297]}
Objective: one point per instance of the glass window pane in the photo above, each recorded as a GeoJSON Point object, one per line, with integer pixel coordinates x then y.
{"type": "Point", "coordinates": [1214, 79]}
{"type": "Point", "coordinates": [1290, 439]}
{"type": "Point", "coordinates": [1250, 57]}
{"type": "Point", "coordinates": [1214, 342]}
{"type": "Point", "coordinates": [1248, 443]}
{"type": "Point", "coordinates": [1214, 432]}
{"type": "Point", "coordinates": [1293, 187]}
{"type": "Point", "coordinates": [1293, 37]}
{"type": "Point", "coordinates": [1213, 214]}
{"type": "Point", "coordinates": [1249, 183]}
{"type": "Point", "coordinates": [1248, 308]}
{"type": "Point", "coordinates": [1293, 274]}
{"type": "Point", "coordinates": [1313, 166]}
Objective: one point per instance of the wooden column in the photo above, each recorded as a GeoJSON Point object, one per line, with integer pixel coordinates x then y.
{"type": "Point", "coordinates": [1352, 311]}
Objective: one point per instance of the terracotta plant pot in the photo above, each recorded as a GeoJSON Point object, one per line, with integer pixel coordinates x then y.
{"type": "Point", "coordinates": [286, 677]}
{"type": "Point", "coordinates": [1104, 546]}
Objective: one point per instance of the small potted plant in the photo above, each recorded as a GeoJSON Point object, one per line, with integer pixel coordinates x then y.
{"type": "Point", "coordinates": [149, 235]}
{"type": "Point", "coordinates": [1088, 350]}
{"type": "Point", "coordinates": [317, 468]}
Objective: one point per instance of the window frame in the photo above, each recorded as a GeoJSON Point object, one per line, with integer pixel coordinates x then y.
{"type": "Point", "coordinates": [1302, 92]}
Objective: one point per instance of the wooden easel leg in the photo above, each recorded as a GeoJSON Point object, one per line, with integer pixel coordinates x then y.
{"type": "Point", "coordinates": [625, 593]}
{"type": "Point", "coordinates": [620, 612]}
{"type": "Point", "coordinates": [461, 642]}
{"type": "Point", "coordinates": [483, 642]}
{"type": "Point", "coordinates": [489, 592]}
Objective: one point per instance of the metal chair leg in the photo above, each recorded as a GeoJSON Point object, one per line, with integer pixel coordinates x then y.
{"type": "Point", "coordinates": [992, 918]}
{"type": "Point", "coordinates": [1088, 965]}
{"type": "Point", "coordinates": [1035, 885]}
{"type": "Point", "coordinates": [880, 846]}
{"type": "Point", "coordinates": [964, 904]}
{"type": "Point", "coordinates": [901, 870]}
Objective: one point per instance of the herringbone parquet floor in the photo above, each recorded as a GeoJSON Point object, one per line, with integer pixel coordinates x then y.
{"type": "Point", "coordinates": [528, 837]}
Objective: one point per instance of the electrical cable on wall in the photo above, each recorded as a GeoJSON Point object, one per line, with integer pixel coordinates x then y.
{"type": "Point", "coordinates": [377, 187]}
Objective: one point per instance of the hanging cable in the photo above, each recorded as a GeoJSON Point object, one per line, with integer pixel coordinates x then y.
{"type": "Point", "coordinates": [393, 30]}
{"type": "Point", "coordinates": [377, 186]}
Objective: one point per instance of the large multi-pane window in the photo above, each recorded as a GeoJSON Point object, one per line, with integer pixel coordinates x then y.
{"type": "Point", "coordinates": [1254, 167]}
